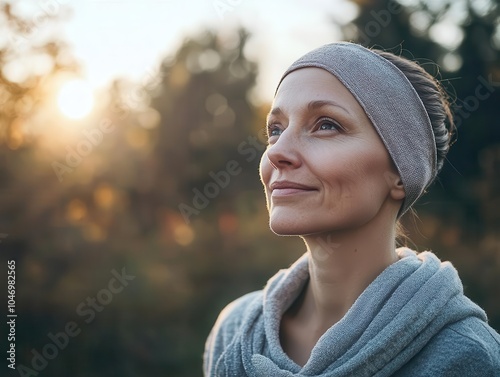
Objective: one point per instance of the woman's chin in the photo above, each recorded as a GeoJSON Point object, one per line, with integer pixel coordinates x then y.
{"type": "Point", "coordinates": [289, 228]}
{"type": "Point", "coordinates": [292, 224]}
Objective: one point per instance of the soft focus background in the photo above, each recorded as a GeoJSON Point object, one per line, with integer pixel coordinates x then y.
{"type": "Point", "coordinates": [130, 136]}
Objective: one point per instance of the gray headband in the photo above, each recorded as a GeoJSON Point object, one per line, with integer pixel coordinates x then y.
{"type": "Point", "coordinates": [391, 103]}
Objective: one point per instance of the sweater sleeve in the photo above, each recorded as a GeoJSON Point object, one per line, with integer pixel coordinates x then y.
{"type": "Point", "coordinates": [225, 329]}
{"type": "Point", "coordinates": [468, 348]}
{"type": "Point", "coordinates": [479, 350]}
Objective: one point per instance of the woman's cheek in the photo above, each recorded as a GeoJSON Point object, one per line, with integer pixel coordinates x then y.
{"type": "Point", "coordinates": [264, 169]}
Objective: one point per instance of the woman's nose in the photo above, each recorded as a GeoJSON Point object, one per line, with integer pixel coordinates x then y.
{"type": "Point", "coordinates": [284, 152]}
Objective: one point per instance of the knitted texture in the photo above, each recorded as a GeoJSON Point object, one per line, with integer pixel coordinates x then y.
{"type": "Point", "coordinates": [401, 325]}
{"type": "Point", "coordinates": [390, 102]}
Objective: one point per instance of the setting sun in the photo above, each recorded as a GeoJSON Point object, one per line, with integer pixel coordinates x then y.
{"type": "Point", "coordinates": [75, 99]}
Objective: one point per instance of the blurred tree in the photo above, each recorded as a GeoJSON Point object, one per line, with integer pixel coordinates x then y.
{"type": "Point", "coordinates": [28, 63]}
{"type": "Point", "coordinates": [460, 216]}
{"type": "Point", "coordinates": [205, 112]}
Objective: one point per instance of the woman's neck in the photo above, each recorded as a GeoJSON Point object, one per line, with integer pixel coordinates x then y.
{"type": "Point", "coordinates": [341, 266]}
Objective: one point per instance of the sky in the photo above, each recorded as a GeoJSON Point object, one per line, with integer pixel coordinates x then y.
{"type": "Point", "coordinates": [128, 38]}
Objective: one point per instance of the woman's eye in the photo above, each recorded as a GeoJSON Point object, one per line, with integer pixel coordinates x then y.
{"type": "Point", "coordinates": [327, 124]}
{"type": "Point", "coordinates": [273, 131]}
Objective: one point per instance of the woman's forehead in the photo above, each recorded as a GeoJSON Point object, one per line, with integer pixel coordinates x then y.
{"type": "Point", "coordinates": [311, 88]}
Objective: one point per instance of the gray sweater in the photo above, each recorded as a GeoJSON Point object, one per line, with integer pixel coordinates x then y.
{"type": "Point", "coordinates": [412, 320]}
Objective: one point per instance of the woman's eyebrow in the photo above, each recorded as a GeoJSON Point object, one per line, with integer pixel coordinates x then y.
{"type": "Point", "coordinates": [274, 111]}
{"type": "Point", "coordinates": [313, 105]}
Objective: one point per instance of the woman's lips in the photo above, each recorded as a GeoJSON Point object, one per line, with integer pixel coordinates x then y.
{"type": "Point", "coordinates": [287, 188]}
{"type": "Point", "coordinates": [288, 191]}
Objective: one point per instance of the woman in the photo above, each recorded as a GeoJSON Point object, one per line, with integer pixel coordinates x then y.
{"type": "Point", "coordinates": [355, 138]}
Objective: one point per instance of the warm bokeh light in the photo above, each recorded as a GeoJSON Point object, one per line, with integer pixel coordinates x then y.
{"type": "Point", "coordinates": [75, 99]}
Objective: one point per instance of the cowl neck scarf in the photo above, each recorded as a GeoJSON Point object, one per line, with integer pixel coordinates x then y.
{"type": "Point", "coordinates": [390, 322]}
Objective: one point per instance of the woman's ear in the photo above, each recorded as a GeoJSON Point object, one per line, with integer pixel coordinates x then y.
{"type": "Point", "coordinates": [398, 191]}
{"type": "Point", "coordinates": [396, 187]}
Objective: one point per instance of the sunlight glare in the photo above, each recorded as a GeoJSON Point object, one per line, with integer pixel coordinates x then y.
{"type": "Point", "coordinates": [75, 99]}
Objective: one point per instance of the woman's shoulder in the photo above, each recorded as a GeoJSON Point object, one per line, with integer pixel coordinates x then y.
{"type": "Point", "coordinates": [469, 347]}
{"type": "Point", "coordinates": [227, 327]}
{"type": "Point", "coordinates": [478, 332]}
{"type": "Point", "coordinates": [476, 340]}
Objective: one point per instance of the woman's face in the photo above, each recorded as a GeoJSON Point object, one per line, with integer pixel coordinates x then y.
{"type": "Point", "coordinates": [325, 168]}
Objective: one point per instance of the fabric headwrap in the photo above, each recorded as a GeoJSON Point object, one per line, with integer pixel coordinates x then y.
{"type": "Point", "coordinates": [391, 103]}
